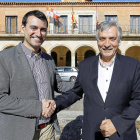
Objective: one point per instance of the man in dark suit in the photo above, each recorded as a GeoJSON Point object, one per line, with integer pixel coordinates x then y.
{"type": "Point", "coordinates": [111, 86]}
{"type": "Point", "coordinates": [28, 77]}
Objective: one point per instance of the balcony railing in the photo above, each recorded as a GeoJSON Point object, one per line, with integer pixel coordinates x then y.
{"type": "Point", "coordinates": [125, 30]}
{"type": "Point", "coordinates": [71, 32]}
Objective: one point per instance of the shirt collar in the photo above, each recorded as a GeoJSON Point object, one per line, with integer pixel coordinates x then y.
{"type": "Point", "coordinates": [110, 64]}
{"type": "Point", "coordinates": [30, 53]}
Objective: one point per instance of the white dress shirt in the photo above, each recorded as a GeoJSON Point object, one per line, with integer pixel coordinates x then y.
{"type": "Point", "coordinates": [104, 77]}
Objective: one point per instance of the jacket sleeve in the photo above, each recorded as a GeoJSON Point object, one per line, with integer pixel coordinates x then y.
{"type": "Point", "coordinates": [12, 105]}
{"type": "Point", "coordinates": [123, 121]}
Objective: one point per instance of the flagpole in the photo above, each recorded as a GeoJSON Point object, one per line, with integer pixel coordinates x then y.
{"type": "Point", "coordinates": [96, 15]}
{"type": "Point", "coordinates": [72, 22]}
{"type": "Point", "coordinates": [72, 7]}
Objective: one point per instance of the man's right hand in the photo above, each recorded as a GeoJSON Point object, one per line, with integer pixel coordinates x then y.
{"type": "Point", "coordinates": [48, 107]}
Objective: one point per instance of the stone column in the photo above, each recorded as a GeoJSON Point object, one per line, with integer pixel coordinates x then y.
{"type": "Point", "coordinates": [48, 52]}
{"type": "Point", "coordinates": [73, 59]}
{"type": "Point", "coordinates": [97, 52]}
{"type": "Point", "coordinates": [123, 53]}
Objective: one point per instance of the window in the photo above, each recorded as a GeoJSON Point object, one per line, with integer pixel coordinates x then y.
{"type": "Point", "coordinates": [111, 18]}
{"type": "Point", "coordinates": [60, 69]}
{"type": "Point", "coordinates": [11, 24]}
{"type": "Point", "coordinates": [61, 25]}
{"type": "Point", "coordinates": [85, 24]}
{"type": "Point", "coordinates": [68, 69]}
{"type": "Point", "coordinates": [135, 24]}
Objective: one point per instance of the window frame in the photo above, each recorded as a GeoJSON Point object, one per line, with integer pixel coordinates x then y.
{"type": "Point", "coordinates": [9, 26]}
{"type": "Point", "coordinates": [133, 26]}
{"type": "Point", "coordinates": [81, 26]}
{"type": "Point", "coordinates": [108, 17]}
{"type": "Point", "coordinates": [57, 27]}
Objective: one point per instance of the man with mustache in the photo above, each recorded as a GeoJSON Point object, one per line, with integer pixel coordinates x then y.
{"type": "Point", "coordinates": [28, 77]}
{"type": "Point", "coordinates": [111, 86]}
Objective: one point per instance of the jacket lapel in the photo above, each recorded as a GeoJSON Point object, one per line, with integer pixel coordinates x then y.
{"type": "Point", "coordinates": [25, 66]}
{"type": "Point", "coordinates": [94, 76]}
{"type": "Point", "coordinates": [116, 72]}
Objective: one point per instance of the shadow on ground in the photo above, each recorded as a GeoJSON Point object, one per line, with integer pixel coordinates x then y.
{"type": "Point", "coordinates": [72, 131]}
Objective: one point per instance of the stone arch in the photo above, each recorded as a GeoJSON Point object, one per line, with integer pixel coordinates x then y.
{"type": "Point", "coordinates": [8, 46]}
{"type": "Point", "coordinates": [61, 54]}
{"type": "Point", "coordinates": [134, 52]}
{"type": "Point", "coordinates": [54, 56]}
{"type": "Point", "coordinates": [59, 45]}
{"type": "Point", "coordinates": [81, 52]}
{"type": "Point", "coordinates": [94, 48]}
{"type": "Point", "coordinates": [129, 46]}
{"type": "Point", "coordinates": [43, 49]}
{"type": "Point", "coordinates": [119, 51]}
{"type": "Point", "coordinates": [89, 53]}
{"type": "Point", "coordinates": [68, 58]}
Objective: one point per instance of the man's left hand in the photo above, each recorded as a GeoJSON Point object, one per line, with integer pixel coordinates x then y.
{"type": "Point", "coordinates": [107, 128]}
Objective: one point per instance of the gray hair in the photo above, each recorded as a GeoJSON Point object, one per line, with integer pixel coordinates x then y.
{"type": "Point", "coordinates": [106, 25]}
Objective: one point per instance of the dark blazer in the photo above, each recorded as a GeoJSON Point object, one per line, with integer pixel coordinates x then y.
{"type": "Point", "coordinates": [122, 103]}
{"type": "Point", "coordinates": [19, 104]}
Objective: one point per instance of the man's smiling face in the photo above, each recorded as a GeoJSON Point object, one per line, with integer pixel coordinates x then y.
{"type": "Point", "coordinates": [34, 32]}
{"type": "Point", "coordinates": [108, 42]}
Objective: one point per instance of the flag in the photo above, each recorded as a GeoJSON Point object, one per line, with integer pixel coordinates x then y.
{"type": "Point", "coordinates": [52, 13]}
{"type": "Point", "coordinates": [97, 18]}
{"type": "Point", "coordinates": [49, 11]}
{"type": "Point", "coordinates": [73, 18]}
{"type": "Point", "coordinates": [55, 15]}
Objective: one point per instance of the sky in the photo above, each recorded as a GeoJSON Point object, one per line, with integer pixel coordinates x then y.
{"type": "Point", "coordinates": [54, 0]}
{"type": "Point", "coordinates": [30, 0]}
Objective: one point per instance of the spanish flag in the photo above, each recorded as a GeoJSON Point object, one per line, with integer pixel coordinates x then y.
{"type": "Point", "coordinates": [73, 18]}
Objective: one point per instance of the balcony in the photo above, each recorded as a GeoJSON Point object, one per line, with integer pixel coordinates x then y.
{"type": "Point", "coordinates": [128, 30]}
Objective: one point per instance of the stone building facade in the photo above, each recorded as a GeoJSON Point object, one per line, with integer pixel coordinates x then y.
{"type": "Point", "coordinates": [70, 43]}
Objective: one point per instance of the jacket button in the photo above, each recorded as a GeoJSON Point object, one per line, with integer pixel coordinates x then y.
{"type": "Point", "coordinates": [104, 108]}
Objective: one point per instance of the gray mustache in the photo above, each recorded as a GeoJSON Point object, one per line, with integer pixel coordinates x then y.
{"type": "Point", "coordinates": [107, 48]}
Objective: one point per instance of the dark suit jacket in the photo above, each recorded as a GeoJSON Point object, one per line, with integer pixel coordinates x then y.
{"type": "Point", "coordinates": [122, 103]}
{"type": "Point", "coordinates": [19, 104]}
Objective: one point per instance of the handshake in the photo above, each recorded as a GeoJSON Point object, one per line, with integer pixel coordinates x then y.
{"type": "Point", "coordinates": [48, 107]}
